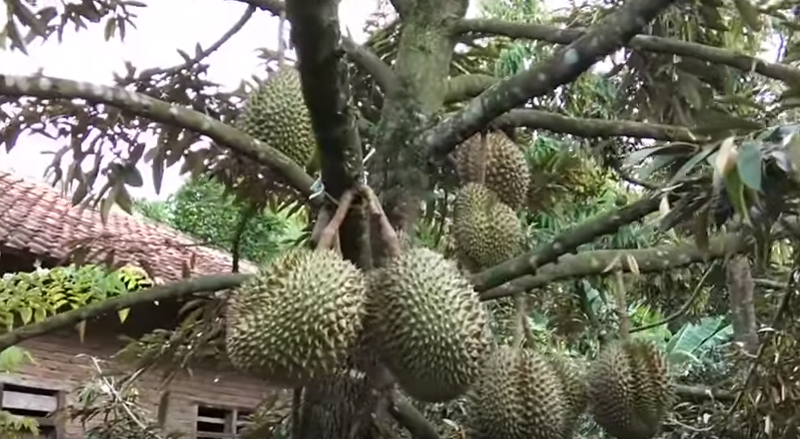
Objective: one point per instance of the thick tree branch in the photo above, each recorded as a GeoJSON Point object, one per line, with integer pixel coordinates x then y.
{"type": "Point", "coordinates": [317, 38]}
{"type": "Point", "coordinates": [409, 417]}
{"type": "Point", "coordinates": [46, 87]}
{"type": "Point", "coordinates": [586, 127]}
{"type": "Point", "coordinates": [380, 71]}
{"type": "Point", "coordinates": [564, 243]}
{"type": "Point", "coordinates": [565, 66]}
{"type": "Point", "coordinates": [164, 292]}
{"type": "Point", "coordinates": [595, 262]}
{"type": "Point", "coordinates": [463, 87]}
{"type": "Point", "coordinates": [552, 34]}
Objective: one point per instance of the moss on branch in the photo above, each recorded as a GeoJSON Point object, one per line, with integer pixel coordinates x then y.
{"type": "Point", "coordinates": [649, 260]}
{"type": "Point", "coordinates": [589, 127]}
{"type": "Point", "coordinates": [555, 35]}
{"type": "Point", "coordinates": [563, 67]}
{"type": "Point", "coordinates": [46, 87]}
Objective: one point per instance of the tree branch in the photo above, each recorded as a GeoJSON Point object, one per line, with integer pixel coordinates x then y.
{"type": "Point", "coordinates": [164, 292]}
{"type": "Point", "coordinates": [565, 66]}
{"type": "Point", "coordinates": [380, 71]}
{"type": "Point", "coordinates": [564, 243]}
{"type": "Point", "coordinates": [463, 87]}
{"type": "Point", "coordinates": [700, 393]}
{"type": "Point", "coordinates": [46, 87]}
{"type": "Point", "coordinates": [591, 127]}
{"type": "Point", "coordinates": [409, 417]}
{"type": "Point", "coordinates": [273, 6]}
{"type": "Point", "coordinates": [317, 38]}
{"type": "Point", "coordinates": [649, 260]}
{"type": "Point", "coordinates": [555, 35]}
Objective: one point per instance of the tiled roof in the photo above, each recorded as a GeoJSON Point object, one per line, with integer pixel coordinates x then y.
{"type": "Point", "coordinates": [37, 219]}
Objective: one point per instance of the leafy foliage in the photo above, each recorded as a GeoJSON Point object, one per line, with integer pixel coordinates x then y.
{"type": "Point", "coordinates": [202, 208]}
{"type": "Point", "coordinates": [32, 297]}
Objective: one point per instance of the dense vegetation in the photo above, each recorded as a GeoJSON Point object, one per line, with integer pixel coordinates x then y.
{"type": "Point", "coordinates": [658, 202]}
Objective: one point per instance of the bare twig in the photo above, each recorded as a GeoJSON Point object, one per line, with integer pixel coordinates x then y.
{"type": "Point", "coordinates": [148, 73]}
{"type": "Point", "coordinates": [686, 305]}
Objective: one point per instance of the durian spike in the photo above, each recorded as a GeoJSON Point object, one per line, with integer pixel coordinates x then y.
{"type": "Point", "coordinates": [388, 234]}
{"type": "Point", "coordinates": [622, 307]}
{"type": "Point", "coordinates": [281, 40]}
{"type": "Point", "coordinates": [329, 233]}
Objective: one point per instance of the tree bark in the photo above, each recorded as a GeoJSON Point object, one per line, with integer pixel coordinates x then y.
{"type": "Point", "coordinates": [422, 67]}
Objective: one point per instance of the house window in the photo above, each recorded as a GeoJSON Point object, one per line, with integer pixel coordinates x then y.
{"type": "Point", "coordinates": [220, 423]}
{"type": "Point", "coordinates": [39, 404]}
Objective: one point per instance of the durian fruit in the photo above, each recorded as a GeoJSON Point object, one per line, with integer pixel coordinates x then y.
{"type": "Point", "coordinates": [298, 319]}
{"type": "Point", "coordinates": [485, 230]}
{"type": "Point", "coordinates": [505, 172]}
{"type": "Point", "coordinates": [276, 114]}
{"type": "Point", "coordinates": [573, 384]}
{"type": "Point", "coordinates": [518, 397]}
{"type": "Point", "coordinates": [629, 390]}
{"type": "Point", "coordinates": [428, 325]}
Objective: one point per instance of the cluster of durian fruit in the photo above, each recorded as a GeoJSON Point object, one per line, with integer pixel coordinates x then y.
{"type": "Point", "coordinates": [494, 178]}
{"type": "Point", "coordinates": [305, 316]}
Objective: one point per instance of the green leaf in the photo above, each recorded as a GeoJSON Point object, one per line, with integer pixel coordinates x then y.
{"type": "Point", "coordinates": [123, 314]}
{"type": "Point", "coordinates": [736, 193]}
{"type": "Point", "coordinates": [25, 314]}
{"type": "Point", "coordinates": [750, 165]}
{"type": "Point", "coordinates": [12, 358]}
{"type": "Point", "coordinates": [111, 27]}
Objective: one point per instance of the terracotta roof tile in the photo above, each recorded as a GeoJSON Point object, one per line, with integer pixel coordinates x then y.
{"type": "Point", "coordinates": [35, 218]}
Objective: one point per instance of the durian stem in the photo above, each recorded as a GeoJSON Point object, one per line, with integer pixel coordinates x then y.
{"type": "Point", "coordinates": [281, 40]}
{"type": "Point", "coordinates": [387, 233]}
{"type": "Point", "coordinates": [524, 332]}
{"type": "Point", "coordinates": [297, 399]}
{"type": "Point", "coordinates": [622, 307]}
{"type": "Point", "coordinates": [329, 233]}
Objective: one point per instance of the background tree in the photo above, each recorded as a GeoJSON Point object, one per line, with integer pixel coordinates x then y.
{"type": "Point", "coordinates": [203, 209]}
{"type": "Point", "coordinates": [687, 123]}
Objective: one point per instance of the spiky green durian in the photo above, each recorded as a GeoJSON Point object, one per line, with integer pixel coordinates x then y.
{"type": "Point", "coordinates": [276, 114]}
{"type": "Point", "coordinates": [485, 230]}
{"type": "Point", "coordinates": [428, 325]}
{"type": "Point", "coordinates": [518, 396]}
{"type": "Point", "coordinates": [573, 384]}
{"type": "Point", "coordinates": [298, 319]}
{"type": "Point", "coordinates": [629, 389]}
{"type": "Point", "coordinates": [505, 170]}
